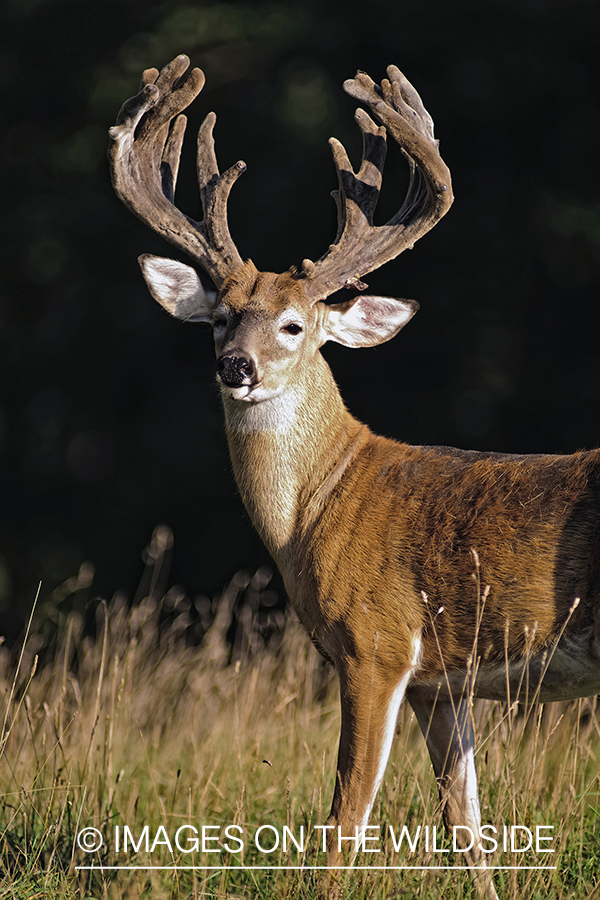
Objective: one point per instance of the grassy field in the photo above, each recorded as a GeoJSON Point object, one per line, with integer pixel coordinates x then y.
{"type": "Point", "coordinates": [141, 728]}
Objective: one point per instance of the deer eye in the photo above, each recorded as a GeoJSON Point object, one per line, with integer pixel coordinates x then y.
{"type": "Point", "coordinates": [292, 328]}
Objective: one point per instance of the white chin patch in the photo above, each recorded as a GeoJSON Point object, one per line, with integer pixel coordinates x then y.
{"type": "Point", "coordinates": [238, 393]}
{"type": "Point", "coordinates": [260, 413]}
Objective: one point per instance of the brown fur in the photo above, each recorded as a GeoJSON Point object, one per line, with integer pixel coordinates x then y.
{"type": "Point", "coordinates": [533, 521]}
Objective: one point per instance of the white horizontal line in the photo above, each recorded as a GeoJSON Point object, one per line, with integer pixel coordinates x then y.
{"type": "Point", "coordinates": [301, 868]}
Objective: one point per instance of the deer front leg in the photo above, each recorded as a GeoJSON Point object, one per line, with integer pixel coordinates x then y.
{"type": "Point", "coordinates": [448, 730]}
{"type": "Point", "coordinates": [370, 703]}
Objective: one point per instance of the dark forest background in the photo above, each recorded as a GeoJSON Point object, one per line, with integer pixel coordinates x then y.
{"type": "Point", "coordinates": [109, 420]}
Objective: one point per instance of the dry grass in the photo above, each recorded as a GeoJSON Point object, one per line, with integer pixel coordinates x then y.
{"type": "Point", "coordinates": [140, 726]}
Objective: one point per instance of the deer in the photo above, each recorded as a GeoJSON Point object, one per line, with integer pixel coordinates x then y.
{"type": "Point", "coordinates": [377, 541]}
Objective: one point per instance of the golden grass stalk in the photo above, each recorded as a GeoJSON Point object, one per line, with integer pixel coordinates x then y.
{"type": "Point", "coordinates": [141, 725]}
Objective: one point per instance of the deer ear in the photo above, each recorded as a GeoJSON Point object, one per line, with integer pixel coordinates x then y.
{"type": "Point", "coordinates": [366, 321]}
{"type": "Point", "coordinates": [178, 288]}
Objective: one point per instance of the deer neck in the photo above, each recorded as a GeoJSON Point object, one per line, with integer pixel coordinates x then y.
{"type": "Point", "coordinates": [284, 451]}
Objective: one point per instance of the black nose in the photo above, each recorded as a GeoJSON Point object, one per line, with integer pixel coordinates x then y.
{"type": "Point", "coordinates": [236, 370]}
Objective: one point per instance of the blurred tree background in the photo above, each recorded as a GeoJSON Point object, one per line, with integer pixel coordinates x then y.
{"type": "Point", "coordinates": [109, 419]}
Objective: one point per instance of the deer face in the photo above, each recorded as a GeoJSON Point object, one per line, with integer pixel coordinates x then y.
{"type": "Point", "coordinates": [267, 334]}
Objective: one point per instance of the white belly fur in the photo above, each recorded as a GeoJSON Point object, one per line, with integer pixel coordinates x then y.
{"type": "Point", "coordinates": [563, 672]}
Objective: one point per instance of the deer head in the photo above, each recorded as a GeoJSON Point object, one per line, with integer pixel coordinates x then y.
{"type": "Point", "coordinates": [266, 326]}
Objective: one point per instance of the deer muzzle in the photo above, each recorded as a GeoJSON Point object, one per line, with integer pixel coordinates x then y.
{"type": "Point", "coordinates": [236, 369]}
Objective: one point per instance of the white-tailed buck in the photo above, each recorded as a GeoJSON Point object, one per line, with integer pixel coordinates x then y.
{"type": "Point", "coordinates": [377, 541]}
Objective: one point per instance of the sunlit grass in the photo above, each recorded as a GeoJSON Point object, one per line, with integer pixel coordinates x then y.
{"type": "Point", "coordinates": [140, 726]}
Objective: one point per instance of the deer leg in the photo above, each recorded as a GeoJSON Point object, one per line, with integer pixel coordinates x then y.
{"type": "Point", "coordinates": [448, 730]}
{"type": "Point", "coordinates": [370, 702]}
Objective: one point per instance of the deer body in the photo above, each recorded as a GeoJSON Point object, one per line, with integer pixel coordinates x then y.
{"type": "Point", "coordinates": [426, 572]}
{"type": "Point", "coordinates": [361, 525]}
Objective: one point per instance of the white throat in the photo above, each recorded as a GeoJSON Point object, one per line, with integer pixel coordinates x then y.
{"type": "Point", "coordinates": [275, 415]}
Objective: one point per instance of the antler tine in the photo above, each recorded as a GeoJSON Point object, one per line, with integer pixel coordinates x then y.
{"type": "Point", "coordinates": [361, 247]}
{"type": "Point", "coordinates": [144, 153]}
{"type": "Point", "coordinates": [170, 157]}
{"type": "Point", "coordinates": [359, 192]}
{"type": "Point", "coordinates": [214, 188]}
